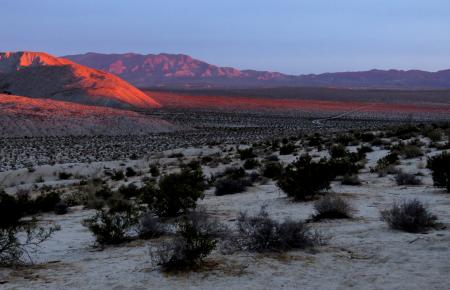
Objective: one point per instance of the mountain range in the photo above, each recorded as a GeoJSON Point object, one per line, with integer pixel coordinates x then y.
{"type": "Point", "coordinates": [183, 71]}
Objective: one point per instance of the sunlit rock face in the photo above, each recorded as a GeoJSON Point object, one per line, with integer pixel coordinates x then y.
{"type": "Point", "coordinates": [40, 75]}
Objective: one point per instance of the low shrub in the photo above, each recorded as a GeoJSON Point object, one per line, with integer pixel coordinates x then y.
{"type": "Point", "coordinates": [440, 168]}
{"type": "Point", "coordinates": [118, 175]}
{"type": "Point", "coordinates": [150, 226]}
{"type": "Point", "coordinates": [409, 216]}
{"type": "Point", "coordinates": [197, 237]}
{"type": "Point", "coordinates": [130, 172]}
{"type": "Point", "coordinates": [251, 164]}
{"type": "Point", "coordinates": [112, 227]}
{"type": "Point", "coordinates": [287, 149]}
{"type": "Point", "coordinates": [231, 185]}
{"type": "Point", "coordinates": [260, 233]}
{"type": "Point", "coordinates": [407, 179]}
{"type": "Point", "coordinates": [272, 169]}
{"type": "Point", "coordinates": [64, 175]}
{"type": "Point", "coordinates": [46, 202]}
{"type": "Point", "coordinates": [338, 151]}
{"type": "Point", "coordinates": [154, 171]}
{"type": "Point", "coordinates": [17, 237]}
{"type": "Point", "coordinates": [303, 178]}
{"type": "Point", "coordinates": [351, 180]}
{"type": "Point", "coordinates": [332, 207]}
{"type": "Point", "coordinates": [246, 153]}
{"type": "Point", "coordinates": [61, 208]}
{"type": "Point", "coordinates": [175, 193]}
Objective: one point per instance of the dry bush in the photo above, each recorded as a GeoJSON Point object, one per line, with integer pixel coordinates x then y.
{"type": "Point", "coordinates": [260, 233]}
{"type": "Point", "coordinates": [409, 216]}
{"type": "Point", "coordinates": [332, 207]}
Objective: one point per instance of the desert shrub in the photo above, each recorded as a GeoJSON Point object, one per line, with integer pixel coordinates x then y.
{"type": "Point", "coordinates": [11, 210]}
{"type": "Point", "coordinates": [230, 185]}
{"type": "Point", "coordinates": [46, 202]}
{"type": "Point", "coordinates": [409, 216]}
{"type": "Point", "coordinates": [304, 178]}
{"type": "Point", "coordinates": [64, 175]}
{"type": "Point", "coordinates": [351, 180]}
{"type": "Point", "coordinates": [367, 137]}
{"type": "Point", "coordinates": [440, 168]}
{"type": "Point", "coordinates": [332, 207]}
{"type": "Point", "coordinates": [341, 166]}
{"type": "Point", "coordinates": [338, 151]}
{"type": "Point", "coordinates": [365, 149]}
{"type": "Point", "coordinates": [404, 132]}
{"type": "Point", "coordinates": [130, 172]}
{"type": "Point", "coordinates": [246, 153]}
{"type": "Point", "coordinates": [251, 163]}
{"type": "Point", "coordinates": [287, 149]}
{"type": "Point", "coordinates": [272, 169]}
{"type": "Point", "coordinates": [18, 237]}
{"type": "Point", "coordinates": [150, 226]}
{"type": "Point", "coordinates": [129, 191]}
{"type": "Point", "coordinates": [407, 179]}
{"type": "Point", "coordinates": [410, 151]}
{"type": "Point", "coordinates": [154, 171]}
{"type": "Point", "coordinates": [116, 203]}
{"type": "Point", "coordinates": [117, 175]}
{"type": "Point", "coordinates": [176, 155]}
{"type": "Point", "coordinates": [386, 164]}
{"type": "Point", "coordinates": [197, 237]}
{"type": "Point", "coordinates": [112, 227]}
{"type": "Point", "coordinates": [344, 139]}
{"type": "Point", "coordinates": [435, 135]}
{"type": "Point", "coordinates": [61, 207]}
{"type": "Point", "coordinates": [260, 233]}
{"type": "Point", "coordinates": [175, 193]}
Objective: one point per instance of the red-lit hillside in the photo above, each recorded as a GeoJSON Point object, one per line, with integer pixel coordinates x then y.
{"type": "Point", "coordinates": [22, 116]}
{"type": "Point", "coordinates": [40, 75]}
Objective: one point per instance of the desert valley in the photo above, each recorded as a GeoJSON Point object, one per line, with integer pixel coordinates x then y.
{"type": "Point", "coordinates": [146, 170]}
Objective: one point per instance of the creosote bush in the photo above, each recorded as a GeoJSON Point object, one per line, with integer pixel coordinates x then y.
{"type": "Point", "coordinates": [18, 237]}
{"type": "Point", "coordinates": [440, 168]}
{"type": "Point", "coordinates": [332, 207]}
{"type": "Point", "coordinates": [112, 227]}
{"type": "Point", "coordinates": [407, 179]}
{"type": "Point", "coordinates": [150, 226]}
{"type": "Point", "coordinates": [304, 178]}
{"type": "Point", "coordinates": [409, 216]}
{"type": "Point", "coordinates": [351, 180]}
{"type": "Point", "coordinates": [272, 169]}
{"type": "Point", "coordinates": [197, 236]}
{"type": "Point", "coordinates": [175, 193]}
{"type": "Point", "coordinates": [260, 233]}
{"type": "Point", "coordinates": [232, 180]}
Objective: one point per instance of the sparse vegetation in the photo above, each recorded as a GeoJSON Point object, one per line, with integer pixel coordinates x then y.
{"type": "Point", "coordinates": [197, 237]}
{"type": "Point", "coordinates": [260, 233]}
{"type": "Point", "coordinates": [409, 216]}
{"type": "Point", "coordinates": [440, 168]}
{"type": "Point", "coordinates": [304, 178]}
{"type": "Point", "coordinates": [332, 207]}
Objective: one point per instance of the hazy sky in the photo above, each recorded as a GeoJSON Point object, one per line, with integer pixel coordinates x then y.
{"type": "Point", "coordinates": [291, 36]}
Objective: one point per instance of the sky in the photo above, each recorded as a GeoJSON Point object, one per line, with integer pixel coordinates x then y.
{"type": "Point", "coordinates": [289, 36]}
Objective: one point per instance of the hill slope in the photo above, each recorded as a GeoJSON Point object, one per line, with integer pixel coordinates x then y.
{"type": "Point", "coordinates": [183, 71]}
{"type": "Point", "coordinates": [22, 116]}
{"type": "Point", "coordinates": [40, 75]}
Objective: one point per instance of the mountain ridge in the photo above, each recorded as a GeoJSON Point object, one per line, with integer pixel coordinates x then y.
{"type": "Point", "coordinates": [181, 70]}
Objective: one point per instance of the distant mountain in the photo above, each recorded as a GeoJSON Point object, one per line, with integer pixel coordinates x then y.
{"type": "Point", "coordinates": [40, 75]}
{"type": "Point", "coordinates": [22, 116]}
{"type": "Point", "coordinates": [178, 70]}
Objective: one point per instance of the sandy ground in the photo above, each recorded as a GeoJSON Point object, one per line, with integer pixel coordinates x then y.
{"type": "Point", "coordinates": [361, 253]}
